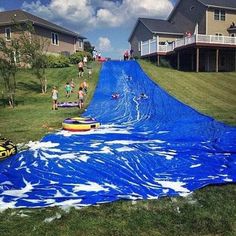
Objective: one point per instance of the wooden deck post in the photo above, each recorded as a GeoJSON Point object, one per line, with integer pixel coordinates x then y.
{"type": "Point", "coordinates": [192, 61]}
{"type": "Point", "coordinates": [197, 60]}
{"type": "Point", "coordinates": [178, 61]}
{"type": "Point", "coordinates": [158, 60]}
{"type": "Point", "coordinates": [235, 60]}
{"type": "Point", "coordinates": [217, 60]}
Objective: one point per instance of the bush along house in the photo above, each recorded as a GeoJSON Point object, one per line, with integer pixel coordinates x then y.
{"type": "Point", "coordinates": [198, 35]}
{"type": "Point", "coordinates": [60, 40]}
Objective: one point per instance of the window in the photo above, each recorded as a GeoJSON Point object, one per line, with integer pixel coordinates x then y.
{"type": "Point", "coordinates": [219, 34]}
{"type": "Point", "coordinates": [80, 43]}
{"type": "Point", "coordinates": [8, 33]}
{"type": "Point", "coordinates": [55, 40]}
{"type": "Point", "coordinates": [219, 15]}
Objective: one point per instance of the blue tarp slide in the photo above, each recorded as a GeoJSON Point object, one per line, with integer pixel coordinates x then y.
{"type": "Point", "coordinates": [149, 145]}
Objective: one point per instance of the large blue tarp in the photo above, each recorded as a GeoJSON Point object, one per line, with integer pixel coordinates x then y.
{"type": "Point", "coordinates": [147, 147]}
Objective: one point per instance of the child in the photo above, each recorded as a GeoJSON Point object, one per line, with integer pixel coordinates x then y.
{"type": "Point", "coordinates": [68, 90]}
{"type": "Point", "coordinates": [90, 73]}
{"type": "Point", "coordinates": [72, 85]}
{"type": "Point", "coordinates": [54, 98]}
{"type": "Point", "coordinates": [81, 97]}
{"type": "Point", "coordinates": [84, 86]}
{"type": "Point", "coordinates": [115, 95]}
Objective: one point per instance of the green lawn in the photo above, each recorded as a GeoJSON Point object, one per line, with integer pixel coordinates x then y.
{"type": "Point", "coordinates": [209, 211]}
{"type": "Point", "coordinates": [33, 117]}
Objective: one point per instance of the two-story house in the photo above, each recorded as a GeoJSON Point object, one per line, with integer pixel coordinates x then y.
{"type": "Point", "coordinates": [199, 35]}
{"type": "Point", "coordinates": [60, 40]}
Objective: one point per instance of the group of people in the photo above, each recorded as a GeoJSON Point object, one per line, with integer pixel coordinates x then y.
{"type": "Point", "coordinates": [128, 55]}
{"type": "Point", "coordinates": [70, 87]}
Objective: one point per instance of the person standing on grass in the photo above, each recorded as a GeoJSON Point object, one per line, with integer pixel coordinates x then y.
{"type": "Point", "coordinates": [84, 86]}
{"type": "Point", "coordinates": [81, 97]}
{"type": "Point", "coordinates": [68, 89]}
{"type": "Point", "coordinates": [81, 68]}
{"type": "Point", "coordinates": [85, 60]}
{"type": "Point", "coordinates": [54, 98]}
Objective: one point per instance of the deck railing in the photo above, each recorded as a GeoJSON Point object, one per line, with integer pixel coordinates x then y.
{"type": "Point", "coordinates": [152, 46]}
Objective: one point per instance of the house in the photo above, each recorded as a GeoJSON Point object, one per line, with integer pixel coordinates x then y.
{"type": "Point", "coordinates": [60, 40]}
{"type": "Point", "coordinates": [198, 35]}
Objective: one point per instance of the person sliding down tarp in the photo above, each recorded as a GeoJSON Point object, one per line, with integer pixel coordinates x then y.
{"type": "Point", "coordinates": [143, 150]}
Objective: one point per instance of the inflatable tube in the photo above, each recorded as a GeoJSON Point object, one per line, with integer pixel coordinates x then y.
{"type": "Point", "coordinates": [7, 148]}
{"type": "Point", "coordinates": [67, 104]}
{"type": "Point", "coordinates": [80, 124]}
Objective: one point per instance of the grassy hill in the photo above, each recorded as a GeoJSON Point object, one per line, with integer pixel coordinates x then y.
{"type": "Point", "coordinates": [33, 117]}
{"type": "Point", "coordinates": [213, 94]}
{"type": "Point", "coordinates": [209, 211]}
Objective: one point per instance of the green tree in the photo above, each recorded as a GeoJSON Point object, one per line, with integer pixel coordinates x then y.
{"type": "Point", "coordinates": [8, 67]}
{"type": "Point", "coordinates": [88, 47]}
{"type": "Point", "coordinates": [33, 49]}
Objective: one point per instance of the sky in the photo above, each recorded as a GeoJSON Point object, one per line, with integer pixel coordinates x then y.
{"type": "Point", "coordinates": [107, 24]}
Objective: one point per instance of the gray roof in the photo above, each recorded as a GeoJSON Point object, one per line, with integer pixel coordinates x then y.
{"type": "Point", "coordinates": [160, 26]}
{"type": "Point", "coordinates": [6, 18]}
{"type": "Point", "coordinates": [231, 4]}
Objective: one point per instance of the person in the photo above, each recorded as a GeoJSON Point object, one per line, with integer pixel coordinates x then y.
{"type": "Point", "coordinates": [99, 55]}
{"type": "Point", "coordinates": [84, 86]}
{"type": "Point", "coordinates": [85, 60]}
{"type": "Point", "coordinates": [142, 96]}
{"type": "Point", "coordinates": [94, 54]}
{"type": "Point", "coordinates": [54, 98]}
{"type": "Point", "coordinates": [90, 73]}
{"type": "Point", "coordinates": [72, 84]}
{"type": "Point", "coordinates": [81, 97]}
{"type": "Point", "coordinates": [131, 54]}
{"type": "Point", "coordinates": [126, 55]}
{"type": "Point", "coordinates": [115, 95]}
{"type": "Point", "coordinates": [81, 69]}
{"type": "Point", "coordinates": [68, 89]}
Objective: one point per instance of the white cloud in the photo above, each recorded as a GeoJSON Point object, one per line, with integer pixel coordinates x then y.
{"type": "Point", "coordinates": [2, 9]}
{"type": "Point", "coordinates": [104, 44]}
{"type": "Point", "coordinates": [87, 14]}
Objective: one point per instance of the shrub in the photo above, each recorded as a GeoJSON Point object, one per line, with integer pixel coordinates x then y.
{"type": "Point", "coordinates": [78, 56]}
{"type": "Point", "coordinates": [57, 61]}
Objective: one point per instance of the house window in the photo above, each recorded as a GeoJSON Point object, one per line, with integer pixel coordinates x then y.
{"type": "Point", "coordinates": [80, 43]}
{"type": "Point", "coordinates": [219, 15]}
{"type": "Point", "coordinates": [55, 40]}
{"type": "Point", "coordinates": [8, 33]}
{"type": "Point", "coordinates": [219, 34]}
{"type": "Point", "coordinates": [232, 35]}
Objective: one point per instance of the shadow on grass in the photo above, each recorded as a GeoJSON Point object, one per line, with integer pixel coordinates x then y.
{"type": "Point", "coordinates": [32, 86]}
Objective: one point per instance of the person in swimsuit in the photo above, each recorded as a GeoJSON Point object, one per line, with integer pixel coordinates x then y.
{"type": "Point", "coordinates": [81, 97]}
{"type": "Point", "coordinates": [54, 98]}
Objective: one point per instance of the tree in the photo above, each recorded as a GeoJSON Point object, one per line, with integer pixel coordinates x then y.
{"type": "Point", "coordinates": [33, 52]}
{"type": "Point", "coordinates": [8, 67]}
{"type": "Point", "coordinates": [88, 47]}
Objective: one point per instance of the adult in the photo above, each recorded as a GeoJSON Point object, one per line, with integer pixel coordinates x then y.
{"type": "Point", "coordinates": [131, 53]}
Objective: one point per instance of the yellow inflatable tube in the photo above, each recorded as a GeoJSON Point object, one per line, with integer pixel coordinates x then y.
{"type": "Point", "coordinates": [80, 124]}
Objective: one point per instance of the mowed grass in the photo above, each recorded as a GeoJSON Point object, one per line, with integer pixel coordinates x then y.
{"type": "Point", "coordinates": [209, 211]}
{"type": "Point", "coordinates": [33, 117]}
{"type": "Point", "coordinates": [213, 94]}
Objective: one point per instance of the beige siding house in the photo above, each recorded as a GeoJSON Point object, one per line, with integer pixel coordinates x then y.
{"type": "Point", "coordinates": [199, 35]}
{"type": "Point", "coordinates": [59, 40]}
